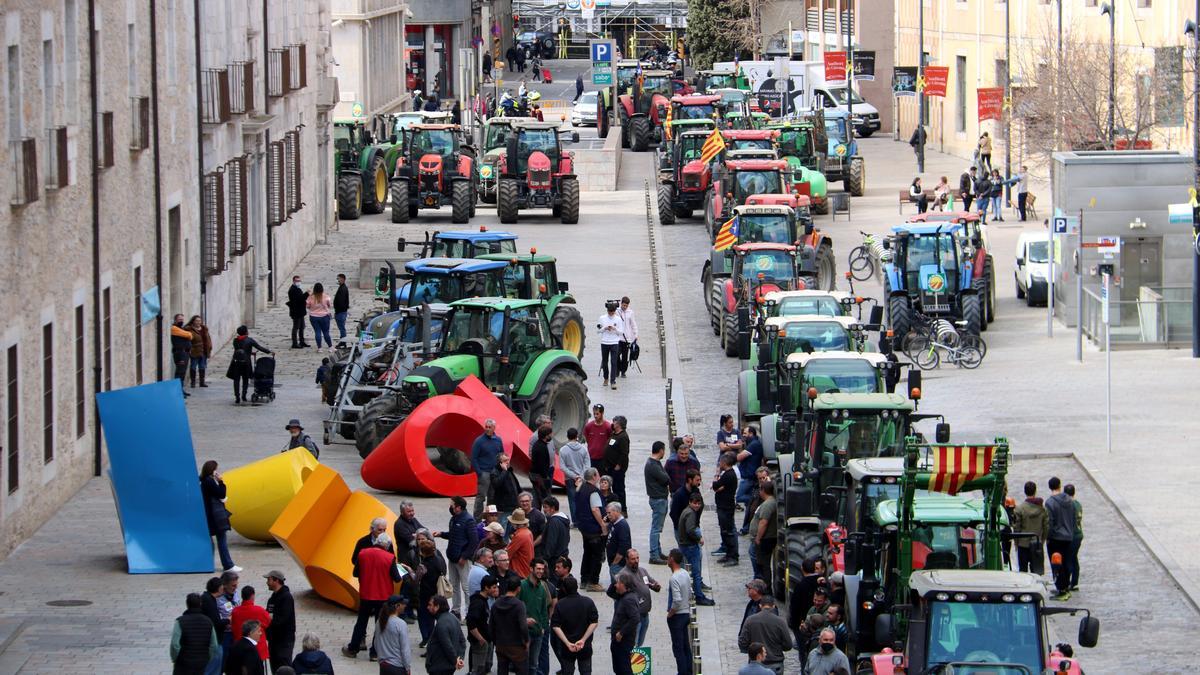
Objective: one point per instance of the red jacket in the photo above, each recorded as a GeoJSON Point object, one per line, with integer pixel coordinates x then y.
{"type": "Point", "coordinates": [375, 574]}
{"type": "Point", "coordinates": [248, 611]}
{"type": "Point", "coordinates": [520, 551]}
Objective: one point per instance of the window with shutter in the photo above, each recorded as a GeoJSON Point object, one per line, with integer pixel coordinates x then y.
{"type": "Point", "coordinates": [275, 184]}
{"type": "Point", "coordinates": [239, 228]}
{"type": "Point", "coordinates": [212, 223]}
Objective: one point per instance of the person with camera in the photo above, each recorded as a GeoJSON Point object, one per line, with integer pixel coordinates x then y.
{"type": "Point", "coordinates": [612, 331]}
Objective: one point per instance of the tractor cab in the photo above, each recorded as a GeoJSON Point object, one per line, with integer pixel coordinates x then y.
{"type": "Point", "coordinates": [533, 147]}
{"type": "Point", "coordinates": [678, 130]}
{"type": "Point", "coordinates": [835, 372]}
{"type": "Point", "coordinates": [463, 243]}
{"type": "Point", "coordinates": [797, 145]}
{"type": "Point", "coordinates": [495, 140]}
{"type": "Point", "coordinates": [931, 273]}
{"type": "Point", "coordinates": [734, 181]}
{"type": "Point", "coordinates": [810, 303]}
{"type": "Point", "coordinates": [708, 80]}
{"type": "Point", "coordinates": [627, 71]}
{"type": "Point", "coordinates": [535, 172]}
{"type": "Point", "coordinates": [434, 169]}
{"type": "Point", "coordinates": [644, 108]}
{"type": "Point", "coordinates": [973, 238]}
{"type": "Point", "coordinates": [779, 336]}
{"type": "Point", "coordinates": [445, 280]}
{"type": "Point", "coordinates": [534, 276]}
{"type": "Point", "coordinates": [764, 267]}
{"type": "Point", "coordinates": [694, 107]}
{"type": "Point", "coordinates": [350, 137]}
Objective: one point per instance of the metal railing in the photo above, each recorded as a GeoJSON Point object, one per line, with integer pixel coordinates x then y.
{"type": "Point", "coordinates": [214, 95]}
{"type": "Point", "coordinates": [1161, 316]}
{"type": "Point", "coordinates": [25, 174]}
{"type": "Point", "coordinates": [241, 87]}
{"type": "Point", "coordinates": [139, 122]}
{"type": "Point", "coordinates": [279, 69]}
{"type": "Point", "coordinates": [298, 72]}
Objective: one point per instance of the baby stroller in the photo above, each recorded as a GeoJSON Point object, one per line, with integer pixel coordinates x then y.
{"type": "Point", "coordinates": [547, 78]}
{"type": "Point", "coordinates": [264, 379]}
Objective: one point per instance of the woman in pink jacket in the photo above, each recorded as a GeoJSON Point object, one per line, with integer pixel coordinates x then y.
{"type": "Point", "coordinates": [320, 311]}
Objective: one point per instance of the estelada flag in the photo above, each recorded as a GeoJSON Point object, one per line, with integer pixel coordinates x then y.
{"type": "Point", "coordinates": [954, 465]}
{"type": "Point", "coordinates": [713, 145]}
{"type": "Point", "coordinates": [667, 125]}
{"type": "Point", "coordinates": [727, 235]}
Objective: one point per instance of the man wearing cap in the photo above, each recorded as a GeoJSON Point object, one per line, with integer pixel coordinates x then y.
{"type": "Point", "coordinates": [771, 630]}
{"type": "Point", "coordinates": [520, 548]}
{"type": "Point", "coordinates": [299, 439]}
{"type": "Point", "coordinates": [485, 451]}
{"type": "Point", "coordinates": [490, 515]}
{"type": "Point", "coordinates": [377, 575]}
{"type": "Point", "coordinates": [281, 634]}
{"type": "Point", "coordinates": [493, 537]}
{"type": "Point", "coordinates": [391, 638]}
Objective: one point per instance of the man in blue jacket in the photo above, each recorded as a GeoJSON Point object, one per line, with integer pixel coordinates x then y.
{"type": "Point", "coordinates": [461, 542]}
{"type": "Point", "coordinates": [485, 453]}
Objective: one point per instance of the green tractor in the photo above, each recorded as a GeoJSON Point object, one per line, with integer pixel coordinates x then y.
{"type": "Point", "coordinates": [797, 145]}
{"type": "Point", "coordinates": [721, 78]}
{"type": "Point", "coordinates": [362, 173]}
{"type": "Point", "coordinates": [534, 276]}
{"type": "Point", "coordinates": [495, 142]}
{"type": "Point", "coordinates": [508, 345]}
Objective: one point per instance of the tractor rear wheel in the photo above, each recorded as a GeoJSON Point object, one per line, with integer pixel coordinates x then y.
{"type": "Point", "coordinates": [980, 286]}
{"type": "Point", "coordinates": [899, 314]}
{"type": "Point", "coordinates": [639, 132]}
{"type": "Point", "coordinates": [378, 418]}
{"type": "Point", "coordinates": [989, 275]}
{"type": "Point", "coordinates": [569, 211]}
{"type": "Point", "coordinates": [507, 190]}
{"type": "Point", "coordinates": [376, 187]}
{"type": "Point", "coordinates": [826, 268]}
{"type": "Point", "coordinates": [729, 335]}
{"type": "Point", "coordinates": [460, 201]}
{"type": "Point", "coordinates": [716, 300]}
{"type": "Point", "coordinates": [972, 313]}
{"type": "Point", "coordinates": [399, 190]}
{"type": "Point", "coordinates": [567, 326]}
{"type": "Point", "coordinates": [666, 214]}
{"type": "Point", "coordinates": [349, 196]}
{"type": "Point", "coordinates": [563, 398]}
{"type": "Point", "coordinates": [856, 182]}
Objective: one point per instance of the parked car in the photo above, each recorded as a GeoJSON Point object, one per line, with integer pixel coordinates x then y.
{"type": "Point", "coordinates": [541, 40]}
{"type": "Point", "coordinates": [583, 113]}
{"type": "Point", "coordinates": [1033, 263]}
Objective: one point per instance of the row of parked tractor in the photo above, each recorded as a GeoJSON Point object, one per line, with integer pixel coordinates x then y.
{"type": "Point", "coordinates": [917, 529]}
{"type": "Point", "coordinates": [468, 304]}
{"type": "Point", "coordinates": [411, 161]}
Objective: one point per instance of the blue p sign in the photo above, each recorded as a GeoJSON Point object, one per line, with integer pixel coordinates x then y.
{"type": "Point", "coordinates": [601, 51]}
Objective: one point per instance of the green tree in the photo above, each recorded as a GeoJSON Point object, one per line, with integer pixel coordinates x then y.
{"type": "Point", "coordinates": [717, 29]}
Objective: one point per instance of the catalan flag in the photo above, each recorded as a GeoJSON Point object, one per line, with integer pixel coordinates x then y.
{"type": "Point", "coordinates": [667, 125]}
{"type": "Point", "coordinates": [955, 465]}
{"type": "Point", "coordinates": [713, 145]}
{"type": "Point", "coordinates": [726, 236]}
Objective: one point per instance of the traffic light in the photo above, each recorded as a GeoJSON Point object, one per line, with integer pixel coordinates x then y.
{"type": "Point", "coordinates": [516, 22]}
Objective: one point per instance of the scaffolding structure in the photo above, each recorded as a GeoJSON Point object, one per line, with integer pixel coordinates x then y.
{"type": "Point", "coordinates": [637, 26]}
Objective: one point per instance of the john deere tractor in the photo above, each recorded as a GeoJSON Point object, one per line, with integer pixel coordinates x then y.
{"type": "Point", "coordinates": [534, 276]}
{"type": "Point", "coordinates": [362, 176]}
{"type": "Point", "coordinates": [734, 181]}
{"type": "Point", "coordinates": [495, 141]}
{"type": "Point", "coordinates": [797, 145]}
{"type": "Point", "coordinates": [708, 80]}
{"type": "Point", "coordinates": [930, 273]}
{"type": "Point", "coordinates": [436, 170]}
{"type": "Point", "coordinates": [508, 345]}
{"type": "Point", "coordinates": [644, 109]}
{"type": "Point", "coordinates": [535, 172]}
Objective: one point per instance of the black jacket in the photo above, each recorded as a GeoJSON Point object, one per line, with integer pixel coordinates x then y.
{"type": "Point", "coordinates": [478, 614]}
{"type": "Point", "coordinates": [295, 301]}
{"type": "Point", "coordinates": [508, 623]}
{"type": "Point", "coordinates": [658, 483]}
{"type": "Point", "coordinates": [244, 659]}
{"type": "Point", "coordinates": [616, 453]}
{"type": "Point", "coordinates": [282, 607]}
{"type": "Point", "coordinates": [404, 533]}
{"type": "Point", "coordinates": [557, 539]}
{"type": "Point", "coordinates": [195, 637]}
{"type": "Point", "coordinates": [208, 607]}
{"type": "Point", "coordinates": [312, 663]}
{"type": "Point", "coordinates": [573, 614]}
{"type": "Point", "coordinates": [965, 186]}
{"type": "Point", "coordinates": [341, 299]}
{"type": "Point", "coordinates": [619, 539]}
{"type": "Point", "coordinates": [728, 483]}
{"type": "Point", "coordinates": [679, 503]}
{"type": "Point", "coordinates": [541, 465]}
{"type": "Point", "coordinates": [983, 187]}
{"type": "Point", "coordinates": [446, 645]}
{"type": "Point", "coordinates": [626, 618]}
{"type": "Point", "coordinates": [213, 492]}
{"type": "Point", "coordinates": [435, 567]}
{"type": "Point", "coordinates": [504, 490]}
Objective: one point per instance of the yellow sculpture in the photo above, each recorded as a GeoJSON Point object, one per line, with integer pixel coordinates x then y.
{"type": "Point", "coordinates": [319, 527]}
{"type": "Point", "coordinates": [258, 492]}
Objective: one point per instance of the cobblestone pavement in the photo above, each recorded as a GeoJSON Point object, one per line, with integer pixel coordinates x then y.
{"type": "Point", "coordinates": [78, 555]}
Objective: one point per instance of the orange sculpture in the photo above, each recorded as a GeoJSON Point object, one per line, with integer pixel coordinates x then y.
{"type": "Point", "coordinates": [401, 464]}
{"type": "Point", "coordinates": [319, 527]}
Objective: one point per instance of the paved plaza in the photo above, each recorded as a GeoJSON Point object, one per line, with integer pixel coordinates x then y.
{"type": "Point", "coordinates": [1029, 389]}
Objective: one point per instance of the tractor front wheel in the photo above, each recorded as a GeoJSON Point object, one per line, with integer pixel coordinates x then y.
{"type": "Point", "coordinates": [349, 196]}
{"type": "Point", "coordinates": [567, 326]}
{"type": "Point", "coordinates": [989, 276]}
{"type": "Point", "coordinates": [639, 132]}
{"type": "Point", "coordinates": [376, 194]}
{"type": "Point", "coordinates": [507, 190]}
{"type": "Point", "coordinates": [826, 268]}
{"type": "Point", "coordinates": [899, 314]}
{"type": "Point", "coordinates": [460, 201]}
{"type": "Point", "coordinates": [378, 418]}
{"type": "Point", "coordinates": [716, 301]}
{"type": "Point", "coordinates": [569, 209]}
{"type": "Point", "coordinates": [666, 214]}
{"type": "Point", "coordinates": [563, 398]}
{"type": "Point", "coordinates": [856, 183]}
{"type": "Point", "coordinates": [972, 313]}
{"type": "Point", "coordinates": [729, 337]}
{"type": "Point", "coordinates": [399, 190]}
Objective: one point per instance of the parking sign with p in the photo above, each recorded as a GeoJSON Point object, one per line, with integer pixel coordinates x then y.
{"type": "Point", "coordinates": [601, 51]}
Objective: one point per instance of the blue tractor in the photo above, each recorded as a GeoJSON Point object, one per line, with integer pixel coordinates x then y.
{"type": "Point", "coordinates": [444, 280]}
{"type": "Point", "coordinates": [842, 161]}
{"type": "Point", "coordinates": [930, 274]}
{"type": "Point", "coordinates": [462, 243]}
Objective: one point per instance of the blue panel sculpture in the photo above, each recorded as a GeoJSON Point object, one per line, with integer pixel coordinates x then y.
{"type": "Point", "coordinates": [152, 467]}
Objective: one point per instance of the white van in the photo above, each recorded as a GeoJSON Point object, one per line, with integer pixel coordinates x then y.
{"type": "Point", "coordinates": [1033, 267]}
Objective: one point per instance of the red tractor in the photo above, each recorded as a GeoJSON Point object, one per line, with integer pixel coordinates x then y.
{"type": "Point", "coordinates": [695, 107]}
{"type": "Point", "coordinates": [758, 269]}
{"type": "Point", "coordinates": [433, 170]}
{"type": "Point", "coordinates": [733, 181]}
{"type": "Point", "coordinates": [535, 172]}
{"type": "Point", "coordinates": [644, 109]}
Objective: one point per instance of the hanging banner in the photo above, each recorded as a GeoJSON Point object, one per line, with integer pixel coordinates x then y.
{"type": "Point", "coordinates": [935, 80]}
{"type": "Point", "coordinates": [864, 66]}
{"type": "Point", "coordinates": [991, 102]}
{"type": "Point", "coordinates": [904, 81]}
{"type": "Point", "coordinates": [835, 67]}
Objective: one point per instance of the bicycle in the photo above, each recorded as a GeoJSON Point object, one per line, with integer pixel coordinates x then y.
{"type": "Point", "coordinates": [924, 347]}
{"type": "Point", "coordinates": [864, 256]}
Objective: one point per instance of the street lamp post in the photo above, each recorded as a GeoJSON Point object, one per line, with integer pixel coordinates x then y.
{"type": "Point", "coordinates": [1192, 28]}
{"type": "Point", "coordinates": [1058, 66]}
{"type": "Point", "coordinates": [920, 90]}
{"type": "Point", "coordinates": [1007, 100]}
{"type": "Point", "coordinates": [1107, 8]}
